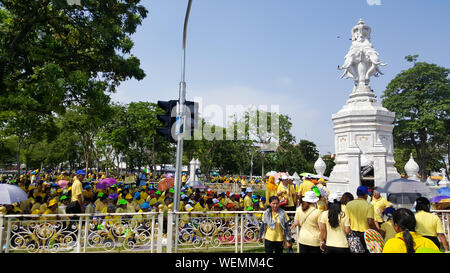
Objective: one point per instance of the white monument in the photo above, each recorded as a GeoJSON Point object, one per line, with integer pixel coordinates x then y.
{"type": "Point", "coordinates": [363, 127]}
{"type": "Point", "coordinates": [320, 166]}
{"type": "Point", "coordinates": [412, 169]}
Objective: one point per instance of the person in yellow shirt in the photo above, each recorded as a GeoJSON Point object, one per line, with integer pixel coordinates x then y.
{"type": "Point", "coordinates": [387, 228]}
{"type": "Point", "coordinates": [248, 202]}
{"type": "Point", "coordinates": [379, 205]}
{"type": "Point", "coordinates": [275, 227]}
{"type": "Point", "coordinates": [271, 189]}
{"type": "Point", "coordinates": [307, 218]}
{"type": "Point", "coordinates": [334, 227]}
{"type": "Point", "coordinates": [361, 214]}
{"type": "Point", "coordinates": [429, 225]}
{"type": "Point", "coordinates": [284, 192]}
{"type": "Point", "coordinates": [52, 208]}
{"type": "Point", "coordinates": [305, 186]}
{"type": "Point", "coordinates": [407, 240]}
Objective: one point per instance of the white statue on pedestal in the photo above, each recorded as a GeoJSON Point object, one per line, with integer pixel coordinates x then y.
{"type": "Point", "coordinates": [361, 61]}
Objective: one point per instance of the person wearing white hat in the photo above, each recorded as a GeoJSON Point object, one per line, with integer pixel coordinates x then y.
{"type": "Point", "coordinates": [248, 202]}
{"type": "Point", "coordinates": [306, 217]}
{"type": "Point", "coordinates": [334, 227]}
{"type": "Point", "coordinates": [284, 192]}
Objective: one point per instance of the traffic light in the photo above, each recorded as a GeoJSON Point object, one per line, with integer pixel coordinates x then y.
{"type": "Point", "coordinates": [168, 119]}
{"type": "Point", "coordinates": [191, 111]}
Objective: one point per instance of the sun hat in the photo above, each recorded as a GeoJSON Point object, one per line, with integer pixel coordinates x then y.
{"type": "Point", "coordinates": [389, 212]}
{"type": "Point", "coordinates": [249, 189]}
{"type": "Point", "coordinates": [123, 202]}
{"type": "Point", "coordinates": [136, 195]}
{"type": "Point", "coordinates": [215, 201]}
{"type": "Point", "coordinates": [145, 205]}
{"type": "Point", "coordinates": [100, 194]}
{"type": "Point", "coordinates": [333, 197]}
{"type": "Point", "coordinates": [250, 208]}
{"type": "Point", "coordinates": [310, 197]}
{"type": "Point", "coordinates": [171, 190]}
{"type": "Point", "coordinates": [158, 192]}
{"type": "Point", "coordinates": [230, 205]}
{"type": "Point", "coordinates": [316, 191]}
{"type": "Point", "coordinates": [128, 196]}
{"type": "Point", "coordinates": [63, 197]}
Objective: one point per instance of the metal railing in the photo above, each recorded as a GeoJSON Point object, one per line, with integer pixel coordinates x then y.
{"type": "Point", "coordinates": [149, 232]}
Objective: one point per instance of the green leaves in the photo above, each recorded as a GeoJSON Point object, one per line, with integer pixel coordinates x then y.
{"type": "Point", "coordinates": [420, 98]}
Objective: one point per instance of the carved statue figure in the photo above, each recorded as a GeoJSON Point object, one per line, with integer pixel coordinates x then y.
{"type": "Point", "coordinates": [361, 61]}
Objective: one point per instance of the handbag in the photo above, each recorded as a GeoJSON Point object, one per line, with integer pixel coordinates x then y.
{"type": "Point", "coordinates": [354, 243]}
{"type": "Point", "coordinates": [285, 200]}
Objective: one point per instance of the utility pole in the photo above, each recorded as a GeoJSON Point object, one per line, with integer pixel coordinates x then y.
{"type": "Point", "coordinates": [181, 119]}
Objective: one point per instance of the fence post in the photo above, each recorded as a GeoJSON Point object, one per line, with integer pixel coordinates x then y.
{"type": "Point", "coordinates": [177, 217]}
{"type": "Point", "coordinates": [169, 231]}
{"type": "Point", "coordinates": [1, 233]}
{"type": "Point", "coordinates": [160, 232]}
{"type": "Point", "coordinates": [80, 222]}
{"type": "Point", "coordinates": [86, 235]}
{"type": "Point", "coordinates": [152, 233]}
{"type": "Point", "coordinates": [8, 234]}
{"type": "Point", "coordinates": [242, 233]}
{"type": "Point", "coordinates": [236, 233]}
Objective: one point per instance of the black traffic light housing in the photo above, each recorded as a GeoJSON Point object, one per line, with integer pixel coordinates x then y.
{"type": "Point", "coordinates": [168, 119]}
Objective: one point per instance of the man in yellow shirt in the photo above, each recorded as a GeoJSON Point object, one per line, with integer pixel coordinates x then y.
{"type": "Point", "coordinates": [379, 205]}
{"type": "Point", "coordinates": [76, 205]}
{"type": "Point", "coordinates": [248, 202]}
{"type": "Point", "coordinates": [361, 214]}
{"type": "Point", "coordinates": [305, 186]}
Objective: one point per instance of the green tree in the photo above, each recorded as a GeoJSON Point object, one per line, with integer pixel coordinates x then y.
{"type": "Point", "coordinates": [420, 98]}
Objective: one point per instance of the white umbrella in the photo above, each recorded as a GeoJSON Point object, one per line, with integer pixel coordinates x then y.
{"type": "Point", "coordinates": [10, 194]}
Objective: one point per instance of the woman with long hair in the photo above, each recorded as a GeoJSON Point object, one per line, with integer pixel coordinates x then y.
{"type": "Point", "coordinates": [407, 240]}
{"type": "Point", "coordinates": [275, 227]}
{"type": "Point", "coordinates": [334, 227]}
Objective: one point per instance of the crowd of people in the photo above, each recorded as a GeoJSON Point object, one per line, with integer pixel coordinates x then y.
{"type": "Point", "coordinates": [326, 220]}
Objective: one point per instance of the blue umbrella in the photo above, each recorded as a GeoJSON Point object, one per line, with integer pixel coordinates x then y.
{"type": "Point", "coordinates": [444, 191]}
{"type": "Point", "coordinates": [10, 194]}
{"type": "Point", "coordinates": [438, 198]}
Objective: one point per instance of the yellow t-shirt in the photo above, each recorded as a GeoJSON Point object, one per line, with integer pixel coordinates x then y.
{"type": "Point", "coordinates": [336, 237]}
{"type": "Point", "coordinates": [379, 205]}
{"type": "Point", "coordinates": [359, 210]}
{"type": "Point", "coordinates": [397, 244]}
{"type": "Point", "coordinates": [77, 189]}
{"type": "Point", "coordinates": [309, 226]}
{"type": "Point", "coordinates": [388, 227]}
{"type": "Point", "coordinates": [428, 224]}
{"type": "Point", "coordinates": [276, 234]}
{"type": "Point", "coordinates": [248, 202]}
{"type": "Point", "coordinates": [305, 186]}
{"type": "Point", "coordinates": [287, 194]}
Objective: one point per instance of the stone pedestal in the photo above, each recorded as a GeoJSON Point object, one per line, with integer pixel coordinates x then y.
{"type": "Point", "coordinates": [362, 127]}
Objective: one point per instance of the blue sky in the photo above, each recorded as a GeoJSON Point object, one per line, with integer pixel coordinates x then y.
{"type": "Point", "coordinates": [280, 52]}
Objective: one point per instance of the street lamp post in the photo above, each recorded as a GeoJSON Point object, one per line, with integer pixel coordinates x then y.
{"type": "Point", "coordinates": [181, 116]}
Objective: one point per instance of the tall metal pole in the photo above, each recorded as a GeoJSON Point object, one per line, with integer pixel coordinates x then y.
{"type": "Point", "coordinates": [181, 117]}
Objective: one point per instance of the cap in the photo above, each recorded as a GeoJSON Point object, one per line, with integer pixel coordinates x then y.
{"type": "Point", "coordinates": [80, 172]}
{"type": "Point", "coordinates": [310, 197]}
{"type": "Point", "coordinates": [362, 190]}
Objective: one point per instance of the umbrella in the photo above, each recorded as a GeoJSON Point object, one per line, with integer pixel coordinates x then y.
{"type": "Point", "coordinates": [438, 198]}
{"type": "Point", "coordinates": [62, 183]}
{"type": "Point", "coordinates": [105, 183]}
{"type": "Point", "coordinates": [10, 194]}
{"type": "Point", "coordinates": [402, 185]}
{"type": "Point", "coordinates": [306, 174]}
{"type": "Point", "coordinates": [271, 173]}
{"type": "Point", "coordinates": [444, 191]}
{"type": "Point", "coordinates": [196, 185]}
{"type": "Point", "coordinates": [113, 196]}
{"type": "Point", "coordinates": [166, 184]}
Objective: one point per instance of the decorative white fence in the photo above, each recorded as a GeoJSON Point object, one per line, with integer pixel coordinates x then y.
{"type": "Point", "coordinates": [138, 232]}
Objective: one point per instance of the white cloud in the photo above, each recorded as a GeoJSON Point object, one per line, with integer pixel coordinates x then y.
{"type": "Point", "coordinates": [374, 2]}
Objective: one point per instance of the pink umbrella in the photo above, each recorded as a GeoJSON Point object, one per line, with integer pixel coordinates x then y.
{"type": "Point", "coordinates": [62, 183]}
{"type": "Point", "coordinates": [279, 174]}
